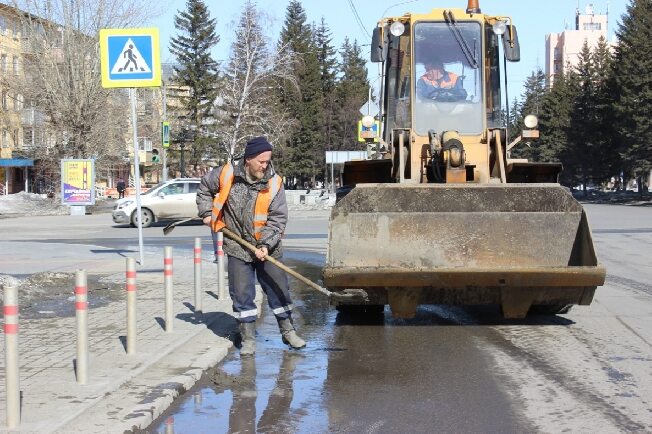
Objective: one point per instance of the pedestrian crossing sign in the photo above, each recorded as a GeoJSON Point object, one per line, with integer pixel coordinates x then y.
{"type": "Point", "coordinates": [130, 57]}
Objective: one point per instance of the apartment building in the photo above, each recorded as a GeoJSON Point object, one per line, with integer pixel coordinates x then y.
{"type": "Point", "coordinates": [13, 170]}
{"type": "Point", "coordinates": [562, 49]}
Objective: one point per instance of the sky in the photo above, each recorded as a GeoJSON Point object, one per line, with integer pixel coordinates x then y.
{"type": "Point", "coordinates": [533, 19]}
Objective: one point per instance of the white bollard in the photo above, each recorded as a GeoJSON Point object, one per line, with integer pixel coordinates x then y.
{"type": "Point", "coordinates": [12, 378]}
{"type": "Point", "coordinates": [81, 310]}
{"type": "Point", "coordinates": [197, 260]}
{"type": "Point", "coordinates": [131, 306]}
{"type": "Point", "coordinates": [167, 278]}
{"type": "Point", "coordinates": [221, 288]}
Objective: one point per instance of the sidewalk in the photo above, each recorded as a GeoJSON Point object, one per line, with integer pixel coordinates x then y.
{"type": "Point", "coordinates": [123, 392]}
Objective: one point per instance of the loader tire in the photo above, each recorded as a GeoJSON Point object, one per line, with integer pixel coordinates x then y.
{"type": "Point", "coordinates": [550, 309]}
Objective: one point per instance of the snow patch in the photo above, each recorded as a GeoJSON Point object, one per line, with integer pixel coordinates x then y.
{"type": "Point", "coordinates": [30, 204]}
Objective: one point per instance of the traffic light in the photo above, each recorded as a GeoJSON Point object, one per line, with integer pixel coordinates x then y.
{"type": "Point", "coordinates": [156, 158]}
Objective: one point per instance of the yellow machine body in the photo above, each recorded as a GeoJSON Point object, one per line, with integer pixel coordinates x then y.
{"type": "Point", "coordinates": [445, 216]}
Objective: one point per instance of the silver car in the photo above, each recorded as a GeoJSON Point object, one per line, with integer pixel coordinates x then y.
{"type": "Point", "coordinates": [174, 199]}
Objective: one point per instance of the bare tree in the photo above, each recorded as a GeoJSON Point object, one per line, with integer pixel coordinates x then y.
{"type": "Point", "coordinates": [247, 105]}
{"type": "Point", "coordinates": [61, 76]}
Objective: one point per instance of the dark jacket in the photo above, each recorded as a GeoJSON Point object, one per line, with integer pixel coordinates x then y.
{"type": "Point", "coordinates": [239, 210]}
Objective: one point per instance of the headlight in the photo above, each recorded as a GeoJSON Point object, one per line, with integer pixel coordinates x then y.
{"type": "Point", "coordinates": [125, 204]}
{"type": "Point", "coordinates": [499, 27]}
{"type": "Point", "coordinates": [397, 28]}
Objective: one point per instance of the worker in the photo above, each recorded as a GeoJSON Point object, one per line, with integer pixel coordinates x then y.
{"type": "Point", "coordinates": [439, 84]}
{"type": "Point", "coordinates": [247, 196]}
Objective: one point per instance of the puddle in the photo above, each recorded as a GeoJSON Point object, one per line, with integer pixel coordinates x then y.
{"type": "Point", "coordinates": [51, 294]}
{"type": "Point", "coordinates": [278, 390]}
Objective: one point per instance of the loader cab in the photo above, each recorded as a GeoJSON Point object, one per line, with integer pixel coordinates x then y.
{"type": "Point", "coordinates": [448, 96]}
{"type": "Point", "coordinates": [468, 49]}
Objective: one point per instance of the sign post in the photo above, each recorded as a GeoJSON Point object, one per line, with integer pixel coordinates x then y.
{"type": "Point", "coordinates": [165, 140]}
{"type": "Point", "coordinates": [130, 58]}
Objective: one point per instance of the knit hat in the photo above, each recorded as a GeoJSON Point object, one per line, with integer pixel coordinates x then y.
{"type": "Point", "coordinates": [257, 145]}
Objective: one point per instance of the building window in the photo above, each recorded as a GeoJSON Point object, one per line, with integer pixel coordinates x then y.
{"type": "Point", "coordinates": [592, 26]}
{"type": "Point", "coordinates": [4, 100]}
{"type": "Point", "coordinates": [5, 142]}
{"type": "Point", "coordinates": [15, 65]}
{"type": "Point", "coordinates": [3, 23]}
{"type": "Point", "coordinates": [3, 63]}
{"type": "Point", "coordinates": [145, 144]}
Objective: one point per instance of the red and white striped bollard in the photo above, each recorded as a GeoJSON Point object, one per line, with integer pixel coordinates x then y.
{"type": "Point", "coordinates": [12, 378]}
{"type": "Point", "coordinates": [81, 311]}
{"type": "Point", "coordinates": [131, 305]}
{"type": "Point", "coordinates": [197, 262]}
{"type": "Point", "coordinates": [167, 278]}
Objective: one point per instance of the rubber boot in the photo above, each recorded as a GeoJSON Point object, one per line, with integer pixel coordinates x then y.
{"type": "Point", "coordinates": [248, 333]}
{"type": "Point", "coordinates": [289, 334]}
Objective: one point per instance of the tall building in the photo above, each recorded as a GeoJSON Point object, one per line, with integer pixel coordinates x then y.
{"type": "Point", "coordinates": [562, 49]}
{"type": "Point", "coordinates": [13, 171]}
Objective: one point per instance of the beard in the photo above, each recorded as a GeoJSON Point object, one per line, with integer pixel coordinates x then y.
{"type": "Point", "coordinates": [256, 175]}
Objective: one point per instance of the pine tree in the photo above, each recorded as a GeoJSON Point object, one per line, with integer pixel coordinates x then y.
{"type": "Point", "coordinates": [605, 160]}
{"type": "Point", "coordinates": [352, 92]}
{"type": "Point", "coordinates": [196, 75]}
{"type": "Point", "coordinates": [582, 120]}
{"type": "Point", "coordinates": [554, 120]}
{"type": "Point", "coordinates": [633, 88]}
{"type": "Point", "coordinates": [326, 56]}
{"type": "Point", "coordinates": [305, 146]}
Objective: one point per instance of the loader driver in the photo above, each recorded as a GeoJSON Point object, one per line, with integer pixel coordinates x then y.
{"type": "Point", "coordinates": [247, 197]}
{"type": "Point", "coordinates": [440, 85]}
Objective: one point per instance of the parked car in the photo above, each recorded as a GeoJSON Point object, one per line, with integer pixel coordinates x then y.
{"type": "Point", "coordinates": [174, 199]}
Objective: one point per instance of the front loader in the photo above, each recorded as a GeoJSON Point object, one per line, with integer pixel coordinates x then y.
{"type": "Point", "coordinates": [444, 215]}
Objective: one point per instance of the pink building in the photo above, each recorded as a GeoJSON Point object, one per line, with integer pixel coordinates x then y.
{"type": "Point", "coordinates": [562, 49]}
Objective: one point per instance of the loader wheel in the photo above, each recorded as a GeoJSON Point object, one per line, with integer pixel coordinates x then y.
{"type": "Point", "coordinates": [550, 309]}
{"type": "Point", "coordinates": [361, 309]}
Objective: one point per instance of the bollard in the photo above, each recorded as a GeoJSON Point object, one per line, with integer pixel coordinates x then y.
{"type": "Point", "coordinates": [221, 289]}
{"type": "Point", "coordinates": [81, 311]}
{"type": "Point", "coordinates": [167, 278]}
{"type": "Point", "coordinates": [169, 425]}
{"type": "Point", "coordinates": [12, 379]}
{"type": "Point", "coordinates": [197, 259]}
{"type": "Point", "coordinates": [131, 306]}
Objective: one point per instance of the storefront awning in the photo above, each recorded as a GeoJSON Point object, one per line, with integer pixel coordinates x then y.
{"type": "Point", "coordinates": [16, 162]}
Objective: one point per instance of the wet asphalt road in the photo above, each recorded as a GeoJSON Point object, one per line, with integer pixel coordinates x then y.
{"type": "Point", "coordinates": [449, 369]}
{"type": "Point", "coordinates": [357, 375]}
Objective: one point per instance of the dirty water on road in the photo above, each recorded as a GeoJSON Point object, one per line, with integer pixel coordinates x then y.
{"type": "Point", "coordinates": [367, 375]}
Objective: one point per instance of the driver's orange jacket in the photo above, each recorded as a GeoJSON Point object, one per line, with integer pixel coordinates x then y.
{"type": "Point", "coordinates": [448, 80]}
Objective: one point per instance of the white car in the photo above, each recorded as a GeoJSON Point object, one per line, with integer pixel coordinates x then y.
{"type": "Point", "coordinates": [174, 199]}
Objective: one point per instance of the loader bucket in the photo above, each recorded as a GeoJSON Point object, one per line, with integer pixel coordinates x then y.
{"type": "Point", "coordinates": [515, 245]}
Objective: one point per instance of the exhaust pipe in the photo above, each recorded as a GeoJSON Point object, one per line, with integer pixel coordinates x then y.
{"type": "Point", "coordinates": [473, 7]}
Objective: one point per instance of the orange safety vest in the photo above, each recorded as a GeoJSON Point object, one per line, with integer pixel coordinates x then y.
{"type": "Point", "coordinates": [441, 83]}
{"type": "Point", "coordinates": [261, 208]}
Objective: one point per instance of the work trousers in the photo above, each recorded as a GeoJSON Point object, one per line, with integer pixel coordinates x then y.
{"type": "Point", "coordinates": [242, 288]}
